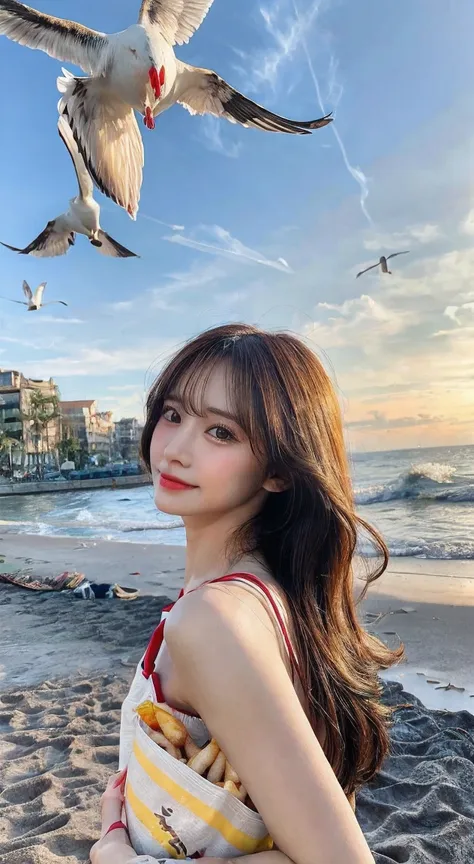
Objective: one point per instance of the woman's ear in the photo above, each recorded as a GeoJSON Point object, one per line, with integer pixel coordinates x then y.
{"type": "Point", "coordinates": [275, 484]}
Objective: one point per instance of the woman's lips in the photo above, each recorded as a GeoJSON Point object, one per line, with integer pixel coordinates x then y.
{"type": "Point", "coordinates": [167, 481]}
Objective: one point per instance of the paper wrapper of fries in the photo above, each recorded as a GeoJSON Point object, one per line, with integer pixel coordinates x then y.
{"type": "Point", "coordinates": [209, 761]}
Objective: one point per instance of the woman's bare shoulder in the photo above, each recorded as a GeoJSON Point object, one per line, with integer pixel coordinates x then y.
{"type": "Point", "coordinates": [218, 612]}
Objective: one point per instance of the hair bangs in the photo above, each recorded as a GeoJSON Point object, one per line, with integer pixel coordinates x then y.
{"type": "Point", "coordinates": [247, 376]}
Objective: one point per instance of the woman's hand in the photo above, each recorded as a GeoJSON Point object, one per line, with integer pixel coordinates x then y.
{"type": "Point", "coordinates": [113, 848]}
{"type": "Point", "coordinates": [112, 801]}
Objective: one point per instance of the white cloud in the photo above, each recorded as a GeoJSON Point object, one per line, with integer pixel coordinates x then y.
{"type": "Point", "coordinates": [230, 247]}
{"type": "Point", "coordinates": [131, 405]}
{"type": "Point", "coordinates": [379, 420]}
{"type": "Point", "coordinates": [462, 314]}
{"type": "Point", "coordinates": [230, 298]}
{"type": "Point", "coordinates": [211, 134]}
{"type": "Point", "coordinates": [361, 322]}
{"type": "Point", "coordinates": [198, 276]}
{"type": "Point", "coordinates": [425, 233]}
{"type": "Point", "coordinates": [92, 361]}
{"type": "Point", "coordinates": [50, 319]}
{"type": "Point", "coordinates": [420, 233]}
{"type": "Point", "coordinates": [13, 340]}
{"type": "Point", "coordinates": [467, 225]}
{"type": "Point", "coordinates": [121, 306]}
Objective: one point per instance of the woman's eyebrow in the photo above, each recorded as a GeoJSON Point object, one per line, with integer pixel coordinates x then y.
{"type": "Point", "coordinates": [207, 409]}
{"type": "Point", "coordinates": [220, 413]}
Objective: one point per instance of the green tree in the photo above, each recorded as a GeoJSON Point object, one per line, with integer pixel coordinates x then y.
{"type": "Point", "coordinates": [7, 444]}
{"type": "Point", "coordinates": [48, 411]}
{"type": "Point", "coordinates": [68, 448]}
{"type": "Point", "coordinates": [43, 408]}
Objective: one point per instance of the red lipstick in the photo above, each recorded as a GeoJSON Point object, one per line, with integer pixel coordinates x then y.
{"type": "Point", "coordinates": [167, 481]}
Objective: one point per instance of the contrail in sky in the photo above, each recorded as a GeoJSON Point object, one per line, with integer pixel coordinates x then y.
{"type": "Point", "coordinates": [355, 172]}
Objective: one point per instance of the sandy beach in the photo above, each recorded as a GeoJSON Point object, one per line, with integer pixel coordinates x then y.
{"type": "Point", "coordinates": [66, 664]}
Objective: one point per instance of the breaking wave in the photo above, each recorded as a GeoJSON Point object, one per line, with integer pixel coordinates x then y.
{"type": "Point", "coordinates": [431, 481]}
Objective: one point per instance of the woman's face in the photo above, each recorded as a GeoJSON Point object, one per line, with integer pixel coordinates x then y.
{"type": "Point", "coordinates": [204, 466]}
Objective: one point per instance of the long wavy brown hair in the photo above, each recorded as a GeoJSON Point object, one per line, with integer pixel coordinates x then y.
{"type": "Point", "coordinates": [307, 535]}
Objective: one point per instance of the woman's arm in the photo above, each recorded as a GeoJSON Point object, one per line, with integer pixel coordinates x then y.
{"type": "Point", "coordinates": [230, 670]}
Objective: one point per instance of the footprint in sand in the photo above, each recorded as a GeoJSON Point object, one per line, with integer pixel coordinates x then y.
{"type": "Point", "coordinates": [26, 790]}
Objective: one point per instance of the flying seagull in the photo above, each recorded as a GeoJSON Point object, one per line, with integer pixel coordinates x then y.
{"type": "Point", "coordinates": [382, 263]}
{"type": "Point", "coordinates": [135, 69]}
{"type": "Point", "coordinates": [81, 218]}
{"type": "Point", "coordinates": [34, 301]}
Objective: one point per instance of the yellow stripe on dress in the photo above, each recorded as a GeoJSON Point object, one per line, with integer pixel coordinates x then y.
{"type": "Point", "coordinates": [216, 820]}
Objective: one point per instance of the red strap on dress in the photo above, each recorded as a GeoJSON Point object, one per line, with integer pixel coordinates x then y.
{"type": "Point", "coordinates": [156, 640]}
{"type": "Point", "coordinates": [154, 644]}
{"type": "Point", "coordinates": [254, 580]}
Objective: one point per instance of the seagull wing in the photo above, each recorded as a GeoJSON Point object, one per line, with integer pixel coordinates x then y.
{"type": "Point", "coordinates": [175, 20]}
{"type": "Point", "coordinates": [20, 302]}
{"type": "Point", "coordinates": [202, 91]}
{"type": "Point", "coordinates": [394, 254]}
{"type": "Point", "coordinates": [48, 244]}
{"type": "Point", "coordinates": [58, 37]}
{"type": "Point", "coordinates": [107, 136]}
{"type": "Point", "coordinates": [86, 187]}
{"type": "Point", "coordinates": [38, 297]}
{"type": "Point", "coordinates": [112, 247]}
{"type": "Point", "coordinates": [51, 303]}
{"type": "Point", "coordinates": [26, 291]}
{"type": "Point", "coordinates": [367, 269]}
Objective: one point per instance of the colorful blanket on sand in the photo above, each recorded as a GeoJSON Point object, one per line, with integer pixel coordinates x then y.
{"type": "Point", "coordinates": [62, 582]}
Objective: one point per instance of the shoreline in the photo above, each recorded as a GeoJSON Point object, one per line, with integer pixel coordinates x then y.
{"type": "Point", "coordinates": [437, 631]}
{"type": "Point", "coordinates": [42, 487]}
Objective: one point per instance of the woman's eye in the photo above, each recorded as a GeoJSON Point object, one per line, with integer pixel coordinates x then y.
{"type": "Point", "coordinates": [170, 414]}
{"type": "Point", "coordinates": [222, 433]}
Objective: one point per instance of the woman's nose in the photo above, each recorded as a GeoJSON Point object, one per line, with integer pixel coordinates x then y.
{"type": "Point", "coordinates": [178, 448]}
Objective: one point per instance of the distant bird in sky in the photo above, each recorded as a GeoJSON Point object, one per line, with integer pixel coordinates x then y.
{"type": "Point", "coordinates": [34, 301]}
{"type": "Point", "coordinates": [83, 216]}
{"type": "Point", "coordinates": [382, 263]}
{"type": "Point", "coordinates": [135, 69]}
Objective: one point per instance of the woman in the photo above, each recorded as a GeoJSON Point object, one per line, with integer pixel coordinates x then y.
{"type": "Point", "coordinates": [244, 441]}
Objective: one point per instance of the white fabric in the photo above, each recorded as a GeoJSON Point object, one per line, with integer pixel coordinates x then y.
{"type": "Point", "coordinates": [171, 811]}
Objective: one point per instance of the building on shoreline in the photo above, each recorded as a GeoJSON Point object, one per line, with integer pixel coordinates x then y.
{"type": "Point", "coordinates": [23, 420]}
{"type": "Point", "coordinates": [94, 429]}
{"type": "Point", "coordinates": [128, 432]}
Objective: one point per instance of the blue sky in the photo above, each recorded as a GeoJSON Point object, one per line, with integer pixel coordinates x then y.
{"type": "Point", "coordinates": [290, 220]}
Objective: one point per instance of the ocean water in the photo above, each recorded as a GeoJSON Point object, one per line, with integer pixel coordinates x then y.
{"type": "Point", "coordinates": [421, 500]}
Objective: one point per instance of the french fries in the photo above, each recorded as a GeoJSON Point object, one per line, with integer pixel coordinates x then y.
{"type": "Point", "coordinates": [190, 747]}
{"type": "Point", "coordinates": [230, 774]}
{"type": "Point", "coordinates": [163, 742]}
{"type": "Point", "coordinates": [172, 728]}
{"type": "Point", "coordinates": [209, 761]}
{"type": "Point", "coordinates": [216, 771]}
{"type": "Point", "coordinates": [203, 760]}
